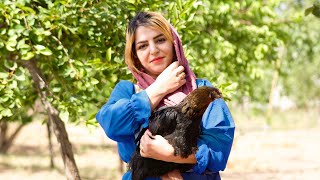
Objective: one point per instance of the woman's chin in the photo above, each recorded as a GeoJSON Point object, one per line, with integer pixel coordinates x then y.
{"type": "Point", "coordinates": [157, 71]}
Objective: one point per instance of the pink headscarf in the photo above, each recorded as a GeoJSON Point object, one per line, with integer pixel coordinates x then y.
{"type": "Point", "coordinates": [145, 80]}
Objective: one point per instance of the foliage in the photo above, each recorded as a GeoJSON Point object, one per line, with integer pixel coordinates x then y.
{"type": "Point", "coordinates": [237, 42]}
{"type": "Point", "coordinates": [66, 39]}
{"type": "Point", "coordinates": [79, 46]}
{"type": "Point", "coordinates": [16, 95]}
{"type": "Point", "coordinates": [300, 75]}
{"type": "Point", "coordinates": [315, 9]}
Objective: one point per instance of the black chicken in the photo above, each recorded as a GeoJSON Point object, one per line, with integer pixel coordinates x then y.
{"type": "Point", "coordinates": [180, 126]}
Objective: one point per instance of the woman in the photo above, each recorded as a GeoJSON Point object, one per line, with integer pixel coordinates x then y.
{"type": "Point", "coordinates": [155, 57]}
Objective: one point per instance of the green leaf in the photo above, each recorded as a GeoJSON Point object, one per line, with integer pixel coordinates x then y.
{"type": "Point", "coordinates": [4, 99]}
{"type": "Point", "coordinates": [21, 77]}
{"type": "Point", "coordinates": [9, 48]}
{"type": "Point", "coordinates": [56, 89]}
{"type": "Point", "coordinates": [179, 5]}
{"type": "Point", "coordinates": [19, 29]}
{"type": "Point", "coordinates": [316, 10]}
{"type": "Point", "coordinates": [64, 115]}
{"type": "Point", "coordinates": [39, 47]}
{"type": "Point", "coordinates": [46, 33]}
{"type": "Point", "coordinates": [94, 81]}
{"type": "Point", "coordinates": [308, 11]}
{"type": "Point", "coordinates": [27, 56]}
{"type": "Point", "coordinates": [3, 75]}
{"type": "Point", "coordinates": [11, 66]}
{"type": "Point", "coordinates": [13, 85]}
{"type": "Point", "coordinates": [27, 9]}
{"type": "Point", "coordinates": [46, 52]}
{"type": "Point", "coordinates": [108, 54]}
{"type": "Point", "coordinates": [6, 112]}
{"type": "Point", "coordinates": [11, 43]}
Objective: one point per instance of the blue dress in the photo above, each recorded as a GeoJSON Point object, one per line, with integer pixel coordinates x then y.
{"type": "Point", "coordinates": [127, 112]}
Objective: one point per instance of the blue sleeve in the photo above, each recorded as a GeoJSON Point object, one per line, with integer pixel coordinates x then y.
{"type": "Point", "coordinates": [203, 82]}
{"type": "Point", "coordinates": [215, 141]}
{"type": "Point", "coordinates": [124, 113]}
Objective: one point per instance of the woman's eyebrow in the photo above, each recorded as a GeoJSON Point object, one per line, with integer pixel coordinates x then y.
{"type": "Point", "coordinates": [158, 36]}
{"type": "Point", "coordinates": [153, 38]}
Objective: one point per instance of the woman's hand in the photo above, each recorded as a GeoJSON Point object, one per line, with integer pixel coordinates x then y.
{"type": "Point", "coordinates": [171, 78]}
{"type": "Point", "coordinates": [155, 147]}
{"type": "Point", "coordinates": [173, 175]}
{"type": "Point", "coordinates": [167, 82]}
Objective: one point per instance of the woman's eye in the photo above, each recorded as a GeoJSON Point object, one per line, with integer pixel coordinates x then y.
{"type": "Point", "coordinates": [142, 46]}
{"type": "Point", "coordinates": [161, 40]}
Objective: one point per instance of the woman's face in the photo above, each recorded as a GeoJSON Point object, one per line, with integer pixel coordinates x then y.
{"type": "Point", "coordinates": [154, 50]}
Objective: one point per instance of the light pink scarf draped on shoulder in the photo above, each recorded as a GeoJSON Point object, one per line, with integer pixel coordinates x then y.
{"type": "Point", "coordinates": [144, 80]}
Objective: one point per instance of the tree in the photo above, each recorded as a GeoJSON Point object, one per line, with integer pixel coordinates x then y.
{"type": "Point", "coordinates": [16, 100]}
{"type": "Point", "coordinates": [71, 53]}
{"type": "Point", "coordinates": [236, 44]}
{"type": "Point", "coordinates": [300, 74]}
{"type": "Point", "coordinates": [315, 9]}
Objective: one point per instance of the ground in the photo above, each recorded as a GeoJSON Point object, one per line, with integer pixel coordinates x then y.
{"type": "Point", "coordinates": [256, 154]}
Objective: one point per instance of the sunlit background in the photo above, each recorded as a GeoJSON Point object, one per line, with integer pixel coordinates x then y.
{"type": "Point", "coordinates": [59, 61]}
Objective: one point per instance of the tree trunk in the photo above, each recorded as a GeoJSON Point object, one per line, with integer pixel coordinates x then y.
{"type": "Point", "coordinates": [275, 79]}
{"type": "Point", "coordinates": [3, 134]}
{"type": "Point", "coordinates": [274, 84]}
{"type": "Point", "coordinates": [5, 143]}
{"type": "Point", "coordinates": [121, 169]}
{"type": "Point", "coordinates": [70, 166]}
{"type": "Point", "coordinates": [50, 144]}
{"type": "Point", "coordinates": [318, 116]}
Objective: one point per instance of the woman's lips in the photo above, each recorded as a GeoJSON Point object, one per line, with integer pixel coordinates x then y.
{"type": "Point", "coordinates": [157, 59]}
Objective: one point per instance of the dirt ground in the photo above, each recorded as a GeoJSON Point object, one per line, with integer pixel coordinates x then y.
{"type": "Point", "coordinates": [262, 154]}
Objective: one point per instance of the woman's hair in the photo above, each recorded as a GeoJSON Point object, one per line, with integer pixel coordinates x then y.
{"type": "Point", "coordinates": [146, 19]}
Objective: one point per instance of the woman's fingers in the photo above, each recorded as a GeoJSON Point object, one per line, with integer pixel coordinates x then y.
{"type": "Point", "coordinates": [179, 70]}
{"type": "Point", "coordinates": [165, 177]}
{"type": "Point", "coordinates": [173, 66]}
{"type": "Point", "coordinates": [172, 78]}
{"type": "Point", "coordinates": [182, 75]}
{"type": "Point", "coordinates": [145, 142]}
{"type": "Point", "coordinates": [173, 175]}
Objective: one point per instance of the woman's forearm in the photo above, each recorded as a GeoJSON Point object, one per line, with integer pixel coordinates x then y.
{"type": "Point", "coordinates": [155, 95]}
{"type": "Point", "coordinates": [157, 147]}
{"type": "Point", "coordinates": [191, 159]}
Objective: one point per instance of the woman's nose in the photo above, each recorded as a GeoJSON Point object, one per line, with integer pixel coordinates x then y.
{"type": "Point", "coordinates": [153, 48]}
